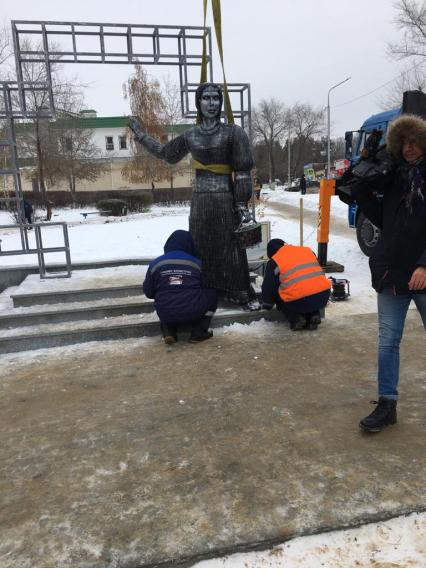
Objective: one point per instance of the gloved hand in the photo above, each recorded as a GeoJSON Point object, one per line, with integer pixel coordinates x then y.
{"type": "Point", "coordinates": [136, 128]}
{"type": "Point", "coordinates": [245, 215]}
{"type": "Point", "coordinates": [345, 179]}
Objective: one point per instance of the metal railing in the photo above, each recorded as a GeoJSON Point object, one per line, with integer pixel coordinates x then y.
{"type": "Point", "coordinates": [40, 250]}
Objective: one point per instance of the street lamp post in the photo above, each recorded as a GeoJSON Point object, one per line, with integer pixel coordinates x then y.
{"type": "Point", "coordinates": [289, 160]}
{"type": "Point", "coordinates": [328, 123]}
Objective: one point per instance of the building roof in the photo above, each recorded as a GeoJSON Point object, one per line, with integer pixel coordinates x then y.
{"type": "Point", "coordinates": [92, 123]}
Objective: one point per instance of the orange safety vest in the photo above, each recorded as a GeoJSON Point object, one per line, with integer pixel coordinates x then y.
{"type": "Point", "coordinates": [300, 273]}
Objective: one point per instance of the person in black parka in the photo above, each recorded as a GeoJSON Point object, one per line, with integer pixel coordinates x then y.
{"type": "Point", "coordinates": [173, 280]}
{"type": "Point", "coordinates": [302, 184]}
{"type": "Point", "coordinates": [28, 212]}
{"type": "Point", "coordinates": [395, 202]}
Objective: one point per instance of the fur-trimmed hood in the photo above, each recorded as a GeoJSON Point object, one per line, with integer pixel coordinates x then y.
{"type": "Point", "coordinates": [406, 126]}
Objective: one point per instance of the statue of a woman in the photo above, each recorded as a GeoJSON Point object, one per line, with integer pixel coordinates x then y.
{"type": "Point", "coordinates": [223, 161]}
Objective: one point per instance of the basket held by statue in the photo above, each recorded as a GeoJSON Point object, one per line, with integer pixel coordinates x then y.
{"type": "Point", "coordinates": [248, 234]}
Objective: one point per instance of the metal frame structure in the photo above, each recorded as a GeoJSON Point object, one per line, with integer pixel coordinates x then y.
{"type": "Point", "coordinates": [110, 43]}
{"type": "Point", "coordinates": [10, 110]}
{"type": "Point", "coordinates": [134, 44]}
{"type": "Point", "coordinates": [242, 112]}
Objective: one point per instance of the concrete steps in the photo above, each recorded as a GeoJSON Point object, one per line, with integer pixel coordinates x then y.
{"type": "Point", "coordinates": [124, 327]}
{"type": "Point", "coordinates": [75, 312]}
{"type": "Point", "coordinates": [31, 299]}
{"type": "Point", "coordinates": [96, 305]}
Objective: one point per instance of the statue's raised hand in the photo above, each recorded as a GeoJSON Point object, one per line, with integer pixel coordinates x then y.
{"type": "Point", "coordinates": [135, 127]}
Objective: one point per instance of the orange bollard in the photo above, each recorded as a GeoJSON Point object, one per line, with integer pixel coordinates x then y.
{"type": "Point", "coordinates": [327, 190]}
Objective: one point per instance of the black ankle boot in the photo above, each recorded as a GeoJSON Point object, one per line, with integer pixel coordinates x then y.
{"type": "Point", "coordinates": [299, 323]}
{"type": "Point", "coordinates": [200, 330]}
{"type": "Point", "coordinates": [200, 335]}
{"type": "Point", "coordinates": [169, 333]}
{"type": "Point", "coordinates": [383, 415]}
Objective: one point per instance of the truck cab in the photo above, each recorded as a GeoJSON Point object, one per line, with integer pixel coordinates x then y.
{"type": "Point", "coordinates": [367, 233]}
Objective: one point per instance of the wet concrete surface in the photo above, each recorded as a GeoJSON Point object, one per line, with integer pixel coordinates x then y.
{"type": "Point", "coordinates": [122, 454]}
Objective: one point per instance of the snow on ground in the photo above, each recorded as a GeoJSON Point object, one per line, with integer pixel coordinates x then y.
{"type": "Point", "coordinates": [100, 238]}
{"type": "Point", "coordinates": [340, 249]}
{"type": "Point", "coordinates": [310, 201]}
{"type": "Point", "coordinates": [397, 543]}
{"type": "Point", "coordinates": [400, 542]}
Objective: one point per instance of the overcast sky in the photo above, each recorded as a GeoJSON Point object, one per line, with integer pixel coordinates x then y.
{"type": "Point", "coordinates": [293, 50]}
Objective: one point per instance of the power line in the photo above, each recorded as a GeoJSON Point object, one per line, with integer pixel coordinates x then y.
{"type": "Point", "coordinates": [421, 62]}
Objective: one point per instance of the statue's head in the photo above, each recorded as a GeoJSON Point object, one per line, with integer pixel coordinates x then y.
{"type": "Point", "coordinates": [208, 100]}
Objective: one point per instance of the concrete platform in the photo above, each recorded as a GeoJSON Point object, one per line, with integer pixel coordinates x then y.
{"type": "Point", "coordinates": [121, 454]}
{"type": "Point", "coordinates": [94, 305]}
{"type": "Point", "coordinates": [83, 286]}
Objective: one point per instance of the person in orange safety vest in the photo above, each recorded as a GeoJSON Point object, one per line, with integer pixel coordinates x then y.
{"type": "Point", "coordinates": [295, 282]}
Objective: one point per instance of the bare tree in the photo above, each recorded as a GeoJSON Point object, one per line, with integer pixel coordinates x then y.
{"type": "Point", "coordinates": [172, 112]}
{"type": "Point", "coordinates": [307, 123]}
{"type": "Point", "coordinates": [147, 104]}
{"type": "Point", "coordinates": [35, 138]}
{"type": "Point", "coordinates": [410, 79]}
{"type": "Point", "coordinates": [411, 20]}
{"type": "Point", "coordinates": [270, 124]}
{"type": "Point", "coordinates": [5, 48]}
{"type": "Point", "coordinates": [72, 155]}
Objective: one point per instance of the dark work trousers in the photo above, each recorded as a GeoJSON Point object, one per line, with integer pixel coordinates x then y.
{"type": "Point", "coordinates": [203, 322]}
{"type": "Point", "coordinates": [306, 306]}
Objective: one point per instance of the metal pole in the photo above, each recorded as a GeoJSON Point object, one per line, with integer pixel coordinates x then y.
{"type": "Point", "coordinates": [328, 123]}
{"type": "Point", "coordinates": [289, 160]}
{"type": "Point", "coordinates": [328, 135]}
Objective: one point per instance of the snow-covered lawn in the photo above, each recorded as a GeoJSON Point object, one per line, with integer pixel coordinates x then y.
{"type": "Point", "coordinates": [399, 542]}
{"type": "Point", "coordinates": [100, 238]}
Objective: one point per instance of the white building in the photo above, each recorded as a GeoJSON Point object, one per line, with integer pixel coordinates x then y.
{"type": "Point", "coordinates": [112, 138]}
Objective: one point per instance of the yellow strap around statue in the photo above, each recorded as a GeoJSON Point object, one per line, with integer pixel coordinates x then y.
{"type": "Point", "coordinates": [214, 168]}
{"type": "Point", "coordinates": [218, 29]}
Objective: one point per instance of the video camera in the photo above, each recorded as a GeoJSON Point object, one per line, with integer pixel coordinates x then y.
{"type": "Point", "coordinates": [374, 164]}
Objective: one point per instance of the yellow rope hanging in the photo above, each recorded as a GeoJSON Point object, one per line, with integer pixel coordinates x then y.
{"type": "Point", "coordinates": [203, 77]}
{"type": "Point", "coordinates": [217, 17]}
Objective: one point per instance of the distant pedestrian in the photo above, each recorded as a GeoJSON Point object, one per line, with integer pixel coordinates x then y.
{"type": "Point", "coordinates": [295, 282]}
{"type": "Point", "coordinates": [49, 206]}
{"type": "Point", "coordinates": [173, 280]}
{"type": "Point", "coordinates": [302, 184]}
{"type": "Point", "coordinates": [28, 212]}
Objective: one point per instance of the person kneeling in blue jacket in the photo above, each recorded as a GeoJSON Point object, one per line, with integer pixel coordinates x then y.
{"type": "Point", "coordinates": [174, 281]}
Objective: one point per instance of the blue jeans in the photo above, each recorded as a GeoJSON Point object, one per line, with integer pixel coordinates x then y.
{"type": "Point", "coordinates": [392, 313]}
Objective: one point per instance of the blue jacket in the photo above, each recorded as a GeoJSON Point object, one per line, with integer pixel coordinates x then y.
{"type": "Point", "coordinates": [173, 280]}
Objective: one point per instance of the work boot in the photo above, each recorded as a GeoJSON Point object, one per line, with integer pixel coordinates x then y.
{"type": "Point", "coordinates": [311, 326]}
{"type": "Point", "coordinates": [315, 318]}
{"type": "Point", "coordinates": [169, 333]}
{"type": "Point", "coordinates": [383, 415]}
{"type": "Point", "coordinates": [299, 323]}
{"type": "Point", "coordinates": [200, 330]}
{"type": "Point", "coordinates": [200, 335]}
